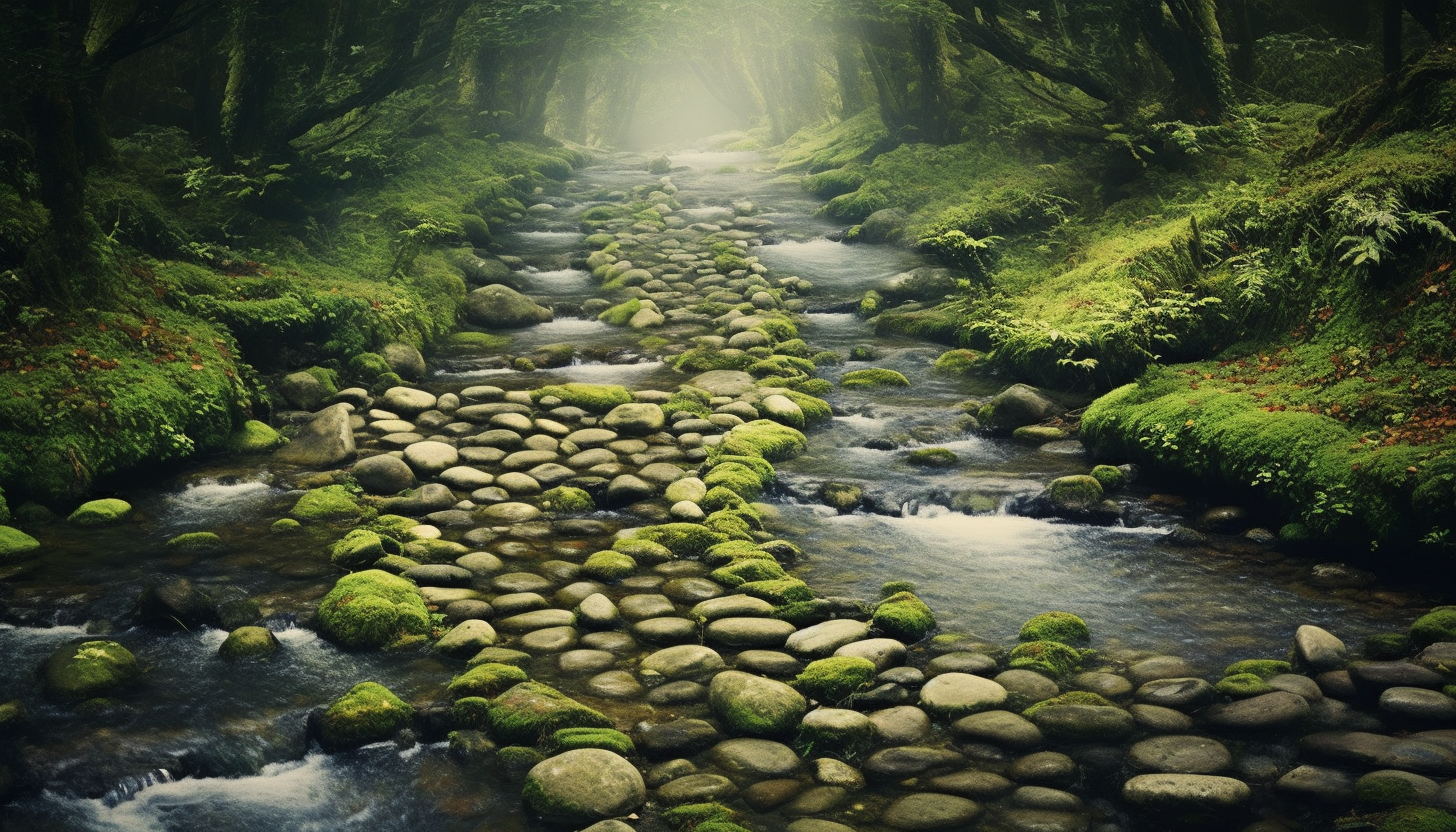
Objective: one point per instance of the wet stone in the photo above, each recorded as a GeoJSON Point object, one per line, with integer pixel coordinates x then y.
{"type": "Point", "coordinates": [747, 632]}
{"type": "Point", "coordinates": [1161, 720]}
{"type": "Point", "coordinates": [1267, 711]}
{"type": "Point", "coordinates": [549, 640]}
{"type": "Point", "coordinates": [977, 664]}
{"type": "Point", "coordinates": [615, 684]}
{"type": "Point", "coordinates": [439, 575]}
{"type": "Point", "coordinates": [1319, 649]}
{"type": "Point", "coordinates": [458, 611]}
{"type": "Point", "coordinates": [516, 603]}
{"type": "Point", "coordinates": [884, 653]}
{"type": "Point", "coordinates": [909, 761]}
{"type": "Point", "coordinates": [1028, 685]}
{"type": "Point", "coordinates": [748, 760]}
{"type": "Point", "coordinates": [691, 590]}
{"type": "Point", "coordinates": [696, 788]}
{"type": "Point", "coordinates": [687, 661]}
{"type": "Point", "coordinates": [1186, 792]}
{"type": "Point", "coordinates": [768, 663]}
{"type": "Point", "coordinates": [612, 642]}
{"type": "Point", "coordinates": [831, 772]}
{"type": "Point", "coordinates": [928, 812]}
{"type": "Point", "coordinates": [1377, 676]}
{"type": "Point", "coordinates": [767, 795]}
{"type": "Point", "coordinates": [1001, 728]}
{"type": "Point", "coordinates": [678, 738]}
{"type": "Point", "coordinates": [1044, 767]}
{"type": "Point", "coordinates": [972, 783]}
{"type": "Point", "coordinates": [1182, 694]}
{"type": "Point", "coordinates": [822, 640]}
{"type": "Point", "coordinates": [1179, 755]}
{"type": "Point", "coordinates": [908, 677]}
{"type": "Point", "coordinates": [1107, 685]}
{"type": "Point", "coordinates": [667, 630]}
{"type": "Point", "coordinates": [512, 582]}
{"type": "Point", "coordinates": [585, 662]}
{"type": "Point", "coordinates": [641, 607]}
{"type": "Point", "coordinates": [1418, 704]}
{"type": "Point", "coordinates": [1159, 667]}
{"type": "Point", "coordinates": [732, 606]}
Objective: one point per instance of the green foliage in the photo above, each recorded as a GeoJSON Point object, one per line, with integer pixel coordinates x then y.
{"type": "Point", "coordinates": [1373, 225]}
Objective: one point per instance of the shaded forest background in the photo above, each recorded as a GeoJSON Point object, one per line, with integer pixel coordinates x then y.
{"type": "Point", "coordinates": [1229, 213]}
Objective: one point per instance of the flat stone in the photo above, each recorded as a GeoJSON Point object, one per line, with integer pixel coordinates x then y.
{"type": "Point", "coordinates": [927, 811]}
{"type": "Point", "coordinates": [1028, 684]}
{"type": "Point", "coordinates": [467, 638]}
{"type": "Point", "coordinates": [615, 684]}
{"type": "Point", "coordinates": [831, 772]}
{"type": "Point", "coordinates": [909, 760]}
{"type": "Point", "coordinates": [1298, 685]}
{"type": "Point", "coordinates": [1182, 694]}
{"type": "Point", "coordinates": [430, 458]}
{"type": "Point", "coordinates": [768, 663]}
{"type": "Point", "coordinates": [641, 607]}
{"type": "Point", "coordinates": [816, 800]}
{"type": "Point", "coordinates": [732, 606]}
{"type": "Point", "coordinates": [697, 788]}
{"type": "Point", "coordinates": [1366, 750]}
{"type": "Point", "coordinates": [1159, 667]}
{"type": "Point", "coordinates": [973, 783]}
{"type": "Point", "coordinates": [1046, 799]}
{"type": "Point", "coordinates": [692, 590]}
{"type": "Point", "coordinates": [822, 640]}
{"type": "Point", "coordinates": [767, 795]}
{"type": "Point", "coordinates": [1161, 720]}
{"type": "Point", "coordinates": [1179, 755]}
{"type": "Point", "coordinates": [954, 695]}
{"type": "Point", "coordinates": [748, 760]}
{"type": "Point", "coordinates": [598, 611]}
{"type": "Point", "coordinates": [901, 725]}
{"type": "Point", "coordinates": [1107, 685]}
{"type": "Point", "coordinates": [507, 514]}
{"type": "Point", "coordinates": [1184, 792]}
{"type": "Point", "coordinates": [685, 661]}
{"type": "Point", "coordinates": [884, 653]}
{"type": "Point", "coordinates": [1377, 676]}
{"type": "Point", "coordinates": [535, 620]}
{"type": "Point", "coordinates": [512, 582]}
{"type": "Point", "coordinates": [1418, 704]}
{"type": "Point", "coordinates": [1084, 723]}
{"type": "Point", "coordinates": [677, 693]}
{"type": "Point", "coordinates": [747, 632]}
{"type": "Point", "coordinates": [1263, 712]}
{"type": "Point", "coordinates": [666, 630]}
{"type": "Point", "coordinates": [961, 661]}
{"type": "Point", "coordinates": [550, 640]}
{"type": "Point", "coordinates": [1318, 784]}
{"type": "Point", "coordinates": [1001, 728]}
{"type": "Point", "coordinates": [583, 662]}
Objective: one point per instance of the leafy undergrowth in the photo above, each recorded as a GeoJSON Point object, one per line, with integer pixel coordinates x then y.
{"type": "Point", "coordinates": [220, 276]}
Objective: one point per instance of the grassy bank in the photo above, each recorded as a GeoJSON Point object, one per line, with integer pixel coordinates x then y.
{"type": "Point", "coordinates": [1268, 296]}
{"type": "Point", "coordinates": [217, 279]}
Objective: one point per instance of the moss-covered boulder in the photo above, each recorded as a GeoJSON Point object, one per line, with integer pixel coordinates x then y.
{"type": "Point", "coordinates": [583, 786]}
{"type": "Point", "coordinates": [649, 552]}
{"type": "Point", "coordinates": [1074, 493]}
{"type": "Point", "coordinates": [835, 679]}
{"type": "Point", "coordinates": [871, 377]}
{"type": "Point", "coordinates": [369, 712]}
{"type": "Point", "coordinates": [361, 548]}
{"type": "Point", "coordinates": [330, 504]}
{"type": "Point", "coordinates": [1263, 668]}
{"type": "Point", "coordinates": [1437, 625]}
{"type": "Point", "coordinates": [933, 458]}
{"type": "Point", "coordinates": [1050, 657]}
{"type": "Point", "coordinates": [760, 567]}
{"type": "Point", "coordinates": [1056, 626]}
{"type": "Point", "coordinates": [1110, 477]}
{"type": "Point", "coordinates": [568, 739]}
{"type": "Point", "coordinates": [498, 306]}
{"type": "Point", "coordinates": [754, 706]}
{"type": "Point", "coordinates": [195, 542]}
{"type": "Point", "coordinates": [91, 669]}
{"type": "Point", "coordinates": [15, 545]}
{"type": "Point", "coordinates": [594, 398]}
{"type": "Point", "coordinates": [1242, 685]}
{"type": "Point", "coordinates": [254, 437]}
{"type": "Point", "coordinates": [764, 438]}
{"type": "Point", "coordinates": [100, 512]}
{"type": "Point", "coordinates": [685, 540]}
{"type": "Point", "coordinates": [778, 591]}
{"type": "Point", "coordinates": [735, 477]}
{"type": "Point", "coordinates": [566, 499]}
{"type": "Point", "coordinates": [530, 711]}
{"type": "Point", "coordinates": [903, 616]}
{"type": "Point", "coordinates": [248, 643]}
{"type": "Point", "coordinates": [372, 609]}
{"type": "Point", "coordinates": [486, 680]}
{"type": "Point", "coordinates": [609, 566]}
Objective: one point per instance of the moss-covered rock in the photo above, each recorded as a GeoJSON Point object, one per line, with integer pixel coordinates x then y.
{"type": "Point", "coordinates": [249, 643]}
{"type": "Point", "coordinates": [1418, 819]}
{"type": "Point", "coordinates": [1110, 477]}
{"type": "Point", "coordinates": [486, 680]}
{"type": "Point", "coordinates": [195, 542]}
{"type": "Point", "coordinates": [1075, 697]}
{"type": "Point", "coordinates": [1383, 647]}
{"type": "Point", "coordinates": [643, 551]}
{"type": "Point", "coordinates": [733, 524]}
{"type": "Point", "coordinates": [745, 570]}
{"type": "Point", "coordinates": [903, 616]}
{"type": "Point", "coordinates": [685, 540]}
{"type": "Point", "coordinates": [609, 566]}
{"type": "Point", "coordinates": [933, 458]}
{"type": "Point", "coordinates": [779, 591]}
{"type": "Point", "coordinates": [610, 739]}
{"type": "Point", "coordinates": [15, 545]}
{"type": "Point", "coordinates": [594, 398]}
{"type": "Point", "coordinates": [1263, 668]}
{"type": "Point", "coordinates": [91, 669]}
{"type": "Point", "coordinates": [719, 498]}
{"type": "Point", "coordinates": [764, 438]}
{"type": "Point", "coordinates": [330, 504]}
{"type": "Point", "coordinates": [735, 477]}
{"type": "Point", "coordinates": [1078, 492]}
{"type": "Point", "coordinates": [835, 679]}
{"type": "Point", "coordinates": [361, 548]}
{"type": "Point", "coordinates": [1056, 626]}
{"type": "Point", "coordinates": [372, 609]}
{"type": "Point", "coordinates": [754, 706]}
{"type": "Point", "coordinates": [531, 711]}
{"type": "Point", "coordinates": [566, 499]}
{"type": "Point", "coordinates": [100, 512]}
{"type": "Point", "coordinates": [369, 712]}
{"type": "Point", "coordinates": [1242, 685]}
{"type": "Point", "coordinates": [285, 525]}
{"type": "Point", "coordinates": [1050, 657]}
{"type": "Point", "coordinates": [254, 437]}
{"type": "Point", "coordinates": [871, 377]}
{"type": "Point", "coordinates": [1437, 625]}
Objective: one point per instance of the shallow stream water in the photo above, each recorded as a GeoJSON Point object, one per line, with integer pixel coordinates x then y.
{"type": "Point", "coordinates": [208, 745]}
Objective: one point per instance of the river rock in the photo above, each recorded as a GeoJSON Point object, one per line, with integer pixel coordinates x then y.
{"type": "Point", "coordinates": [324, 441]}
{"type": "Point", "coordinates": [597, 611]}
{"type": "Point", "coordinates": [747, 632]}
{"type": "Point", "coordinates": [583, 786]}
{"type": "Point", "coordinates": [954, 695]}
{"type": "Point", "coordinates": [981, 785]}
{"type": "Point", "coordinates": [749, 760]}
{"type": "Point", "coordinates": [925, 812]}
{"type": "Point", "coordinates": [635, 419]}
{"type": "Point", "coordinates": [467, 638]}
{"type": "Point", "coordinates": [499, 306]}
{"type": "Point", "coordinates": [909, 760]}
{"type": "Point", "coordinates": [962, 661]}
{"type": "Point", "coordinates": [732, 606]}
{"type": "Point", "coordinates": [885, 653]}
{"type": "Point", "coordinates": [1159, 667]}
{"type": "Point", "coordinates": [1318, 784]}
{"type": "Point", "coordinates": [430, 458]}
{"type": "Point", "coordinates": [407, 401]}
{"type": "Point", "coordinates": [1366, 750]}
{"type": "Point", "coordinates": [405, 360]}
{"type": "Point", "coordinates": [384, 474]}
{"type": "Point", "coordinates": [1186, 793]}
{"type": "Point", "coordinates": [89, 669]}
{"type": "Point", "coordinates": [1319, 649]}
{"type": "Point", "coordinates": [1263, 712]}
{"type": "Point", "coordinates": [176, 603]}
{"type": "Point", "coordinates": [1083, 723]}
{"type": "Point", "coordinates": [1180, 694]}
{"type": "Point", "coordinates": [248, 642]}
{"type": "Point", "coordinates": [1179, 755]}
{"type": "Point", "coordinates": [684, 661]}
{"type": "Point", "coordinates": [1017, 405]}
{"type": "Point", "coordinates": [900, 725]}
{"type": "Point", "coordinates": [755, 706]}
{"type": "Point", "coordinates": [823, 639]}
{"type": "Point", "coordinates": [1001, 728]}
{"type": "Point", "coordinates": [1418, 704]}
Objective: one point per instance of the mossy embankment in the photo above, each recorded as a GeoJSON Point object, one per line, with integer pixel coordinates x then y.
{"type": "Point", "coordinates": [1267, 298]}
{"type": "Point", "coordinates": [217, 278]}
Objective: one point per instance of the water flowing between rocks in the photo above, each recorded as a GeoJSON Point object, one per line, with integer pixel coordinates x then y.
{"type": "Point", "coordinates": [204, 744]}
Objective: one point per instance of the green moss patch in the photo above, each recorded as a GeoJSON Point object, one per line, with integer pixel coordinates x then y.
{"type": "Point", "coordinates": [873, 377]}
{"type": "Point", "coordinates": [903, 616]}
{"type": "Point", "coordinates": [372, 609]}
{"type": "Point", "coordinates": [763, 438]}
{"type": "Point", "coordinates": [835, 679]}
{"type": "Point", "coordinates": [595, 398]}
{"type": "Point", "coordinates": [330, 504]}
{"type": "Point", "coordinates": [1062, 627]}
{"type": "Point", "coordinates": [369, 712]}
{"type": "Point", "coordinates": [530, 711]}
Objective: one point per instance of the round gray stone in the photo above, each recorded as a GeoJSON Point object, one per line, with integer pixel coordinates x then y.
{"type": "Point", "coordinates": [584, 785]}
{"type": "Point", "coordinates": [1179, 755]}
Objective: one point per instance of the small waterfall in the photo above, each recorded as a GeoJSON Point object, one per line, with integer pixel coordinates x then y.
{"type": "Point", "coordinates": [129, 787]}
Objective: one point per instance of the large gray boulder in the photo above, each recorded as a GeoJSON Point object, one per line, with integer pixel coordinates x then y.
{"type": "Point", "coordinates": [405, 360]}
{"type": "Point", "coordinates": [384, 474]}
{"type": "Point", "coordinates": [323, 442]}
{"type": "Point", "coordinates": [303, 390]}
{"type": "Point", "coordinates": [755, 706]}
{"type": "Point", "coordinates": [504, 307]}
{"type": "Point", "coordinates": [1016, 406]}
{"type": "Point", "coordinates": [584, 786]}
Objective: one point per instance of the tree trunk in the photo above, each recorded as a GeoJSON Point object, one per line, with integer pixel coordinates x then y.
{"type": "Point", "coordinates": [1390, 42]}
{"type": "Point", "coordinates": [62, 263]}
{"type": "Point", "coordinates": [575, 82]}
{"type": "Point", "coordinates": [932, 107]}
{"type": "Point", "coordinates": [249, 78]}
{"type": "Point", "coordinates": [851, 87]}
{"type": "Point", "coordinates": [1241, 30]}
{"type": "Point", "coordinates": [1185, 36]}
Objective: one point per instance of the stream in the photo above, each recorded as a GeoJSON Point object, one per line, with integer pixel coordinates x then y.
{"type": "Point", "coordinates": [204, 744]}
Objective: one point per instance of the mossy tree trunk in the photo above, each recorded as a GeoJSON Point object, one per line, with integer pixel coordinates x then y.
{"type": "Point", "coordinates": [1185, 36]}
